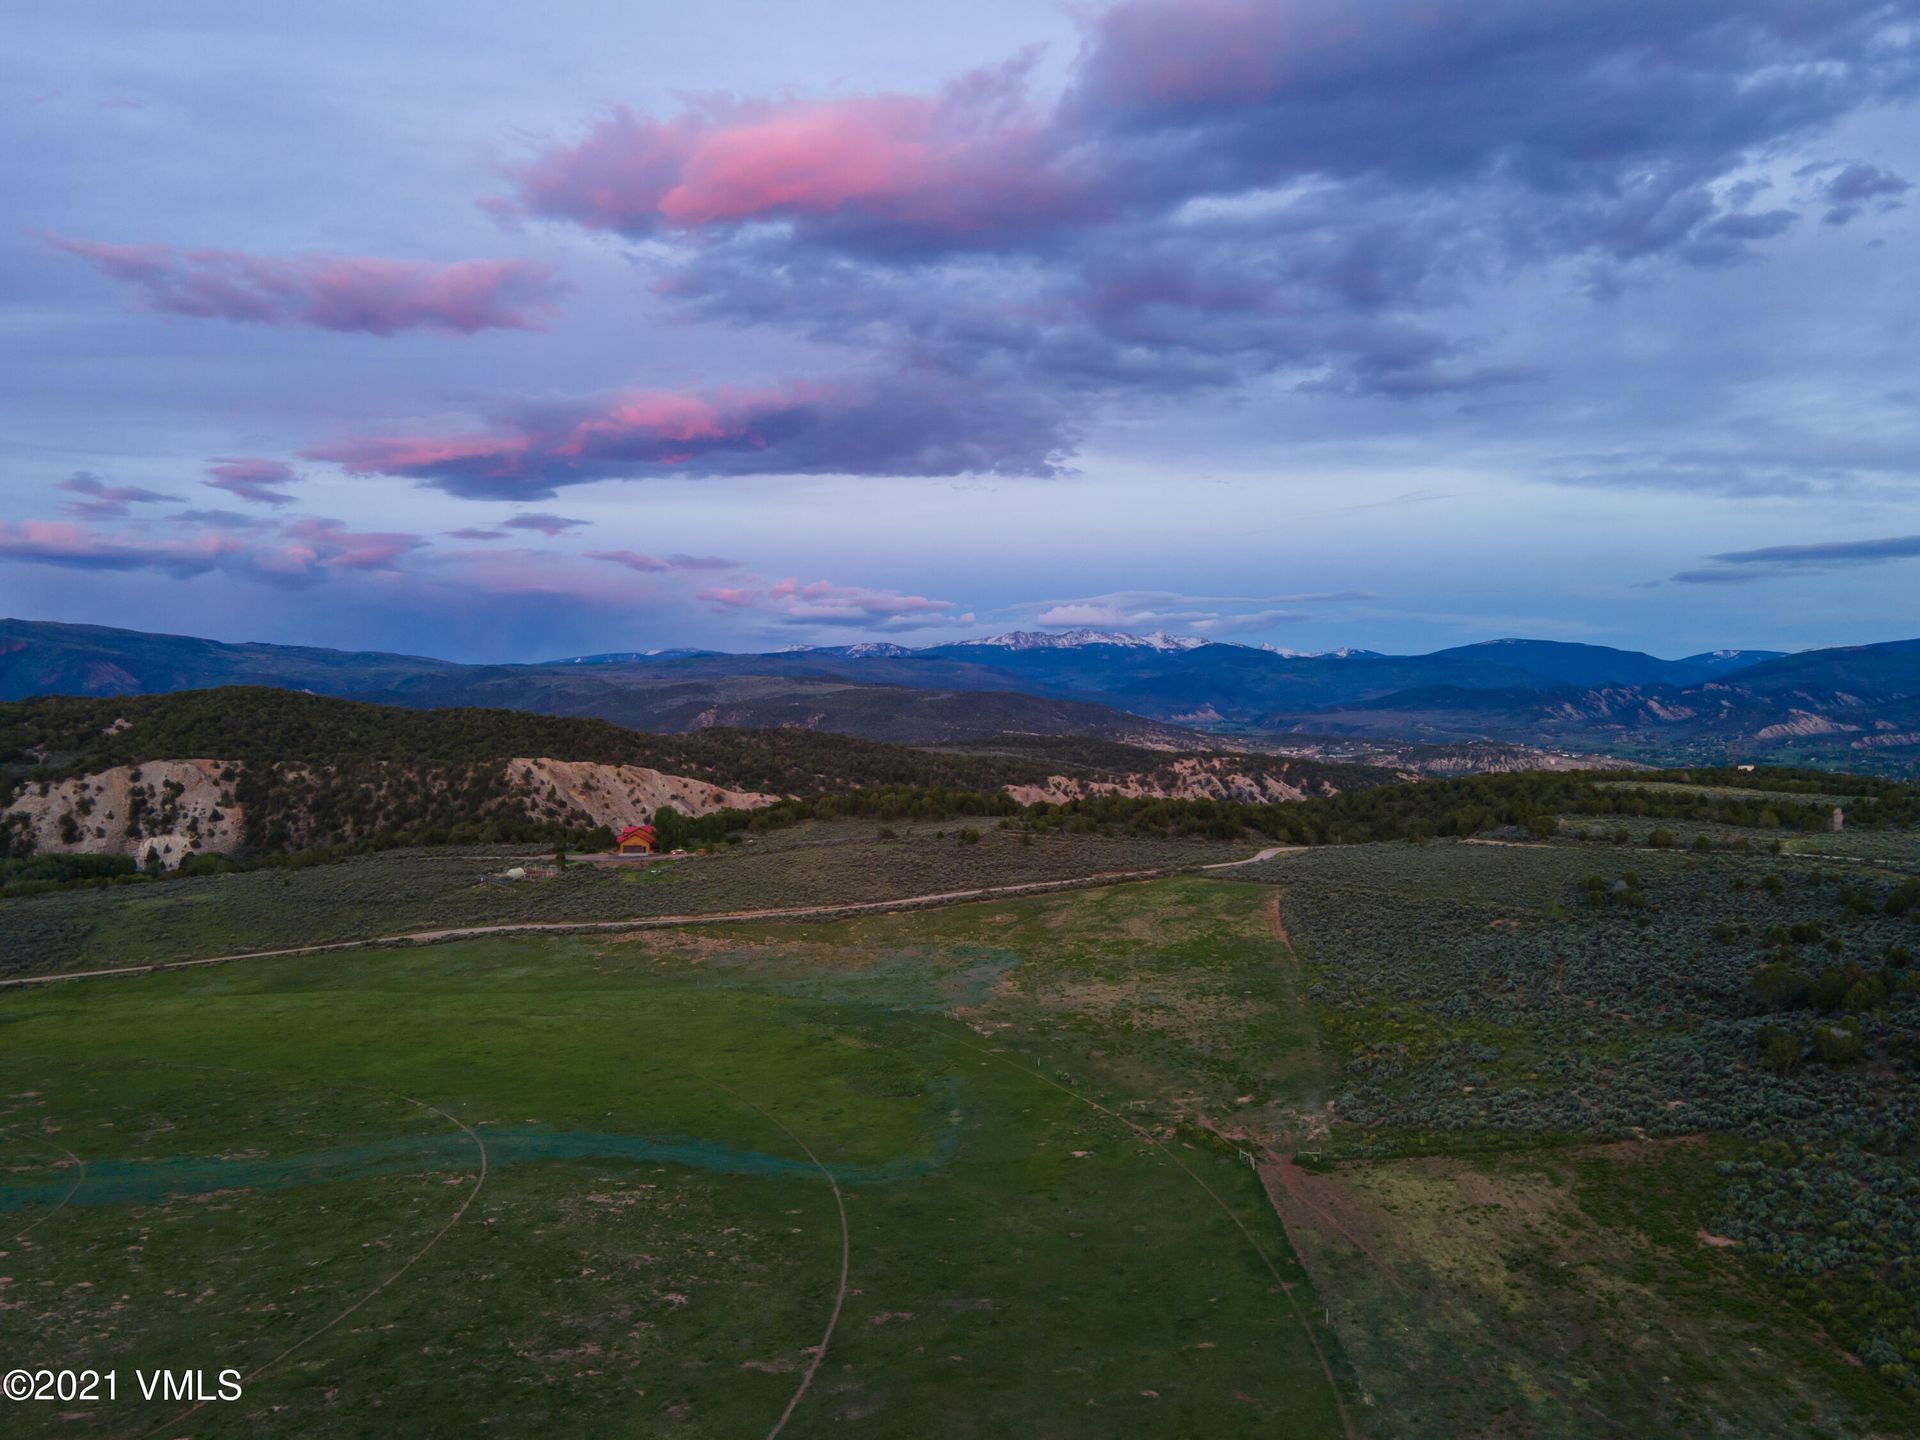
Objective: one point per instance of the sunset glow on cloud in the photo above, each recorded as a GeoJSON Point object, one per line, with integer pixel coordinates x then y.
{"type": "Point", "coordinates": [376, 297]}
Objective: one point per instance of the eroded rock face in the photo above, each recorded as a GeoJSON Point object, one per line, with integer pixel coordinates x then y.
{"type": "Point", "coordinates": [1804, 723]}
{"type": "Point", "coordinates": [1192, 778]}
{"type": "Point", "coordinates": [616, 795]}
{"type": "Point", "coordinates": [177, 808]}
{"type": "Point", "coordinates": [173, 808]}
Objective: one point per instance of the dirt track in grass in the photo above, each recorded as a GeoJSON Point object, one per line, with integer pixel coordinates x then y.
{"type": "Point", "coordinates": [655, 922]}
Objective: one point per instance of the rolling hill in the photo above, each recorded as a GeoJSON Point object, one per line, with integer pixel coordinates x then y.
{"type": "Point", "coordinates": [253, 770]}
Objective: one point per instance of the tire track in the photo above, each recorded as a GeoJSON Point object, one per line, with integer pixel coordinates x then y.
{"type": "Point", "coordinates": [846, 1255]}
{"type": "Point", "coordinates": [848, 910]}
{"type": "Point", "coordinates": [478, 1180]}
{"type": "Point", "coordinates": [59, 1204]}
{"type": "Point", "coordinates": [1347, 1425]}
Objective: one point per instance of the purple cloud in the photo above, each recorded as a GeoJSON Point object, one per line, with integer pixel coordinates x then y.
{"type": "Point", "coordinates": [220, 520]}
{"type": "Point", "coordinates": [653, 564]}
{"type": "Point", "coordinates": [896, 425]}
{"type": "Point", "coordinates": [103, 501]}
{"type": "Point", "coordinates": [329, 292]}
{"type": "Point", "coordinates": [1735, 567]}
{"type": "Point", "coordinates": [548, 525]}
{"type": "Point", "coordinates": [79, 548]}
{"type": "Point", "coordinates": [251, 479]}
{"type": "Point", "coordinates": [1854, 187]}
{"type": "Point", "coordinates": [330, 545]}
{"type": "Point", "coordinates": [296, 554]}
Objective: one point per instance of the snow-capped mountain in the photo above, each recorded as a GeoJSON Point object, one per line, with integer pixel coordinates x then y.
{"type": "Point", "coordinates": [1345, 652]}
{"type": "Point", "coordinates": [1080, 639]}
{"type": "Point", "coordinates": [874, 650]}
{"type": "Point", "coordinates": [865, 650]}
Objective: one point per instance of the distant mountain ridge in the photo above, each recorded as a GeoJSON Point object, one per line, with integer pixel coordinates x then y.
{"type": "Point", "coordinates": [1853, 703]}
{"type": "Point", "coordinates": [1159, 640]}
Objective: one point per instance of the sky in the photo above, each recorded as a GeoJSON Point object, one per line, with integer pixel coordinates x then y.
{"type": "Point", "coordinates": [507, 332]}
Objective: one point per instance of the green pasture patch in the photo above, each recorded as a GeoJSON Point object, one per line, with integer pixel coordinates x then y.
{"type": "Point", "coordinates": [653, 1248]}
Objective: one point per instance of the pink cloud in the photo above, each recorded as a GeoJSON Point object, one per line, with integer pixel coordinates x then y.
{"type": "Point", "coordinates": [913, 421]}
{"type": "Point", "coordinates": [78, 547]}
{"type": "Point", "coordinates": [646, 429]}
{"type": "Point", "coordinates": [822, 602]}
{"type": "Point", "coordinates": [973, 157]}
{"type": "Point", "coordinates": [250, 478]}
{"type": "Point", "coordinates": [329, 292]}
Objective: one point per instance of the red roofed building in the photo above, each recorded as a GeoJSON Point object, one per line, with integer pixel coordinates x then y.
{"type": "Point", "coordinates": [635, 840]}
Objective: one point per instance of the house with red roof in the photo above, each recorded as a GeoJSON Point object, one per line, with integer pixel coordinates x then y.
{"type": "Point", "coordinates": [634, 840]}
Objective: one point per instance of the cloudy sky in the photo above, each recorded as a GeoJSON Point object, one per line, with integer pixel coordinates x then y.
{"type": "Point", "coordinates": [509, 331]}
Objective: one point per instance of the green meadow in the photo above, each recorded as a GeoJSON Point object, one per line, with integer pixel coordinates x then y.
{"type": "Point", "coordinates": [596, 1185]}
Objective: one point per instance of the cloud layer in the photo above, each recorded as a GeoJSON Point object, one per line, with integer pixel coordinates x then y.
{"type": "Point", "coordinates": [1182, 310]}
{"type": "Point", "coordinates": [1224, 193]}
{"type": "Point", "coordinates": [1772, 561]}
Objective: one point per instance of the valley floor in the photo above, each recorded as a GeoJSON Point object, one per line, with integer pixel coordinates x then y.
{"type": "Point", "coordinates": [1370, 1140]}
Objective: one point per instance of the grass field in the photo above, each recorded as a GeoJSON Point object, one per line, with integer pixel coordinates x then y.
{"type": "Point", "coordinates": [572, 1184]}
{"type": "Point", "coordinates": [1461, 1138]}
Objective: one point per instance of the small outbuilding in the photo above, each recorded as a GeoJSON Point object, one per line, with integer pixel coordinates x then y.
{"type": "Point", "coordinates": [634, 840]}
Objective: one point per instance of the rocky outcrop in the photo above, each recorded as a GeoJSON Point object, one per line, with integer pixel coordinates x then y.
{"type": "Point", "coordinates": [175, 808]}
{"type": "Point", "coordinates": [1190, 778]}
{"type": "Point", "coordinates": [170, 808]}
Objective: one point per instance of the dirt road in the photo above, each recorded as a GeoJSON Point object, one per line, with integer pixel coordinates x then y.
{"type": "Point", "coordinates": [656, 922]}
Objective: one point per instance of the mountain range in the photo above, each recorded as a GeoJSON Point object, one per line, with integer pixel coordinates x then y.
{"type": "Point", "coordinates": [1857, 706]}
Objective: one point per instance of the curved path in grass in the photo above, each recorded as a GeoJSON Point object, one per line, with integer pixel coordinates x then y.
{"type": "Point", "coordinates": [839, 911]}
{"type": "Point", "coordinates": [480, 1147]}
{"type": "Point", "coordinates": [1140, 1132]}
{"type": "Point", "coordinates": [79, 1180]}
{"type": "Point", "coordinates": [846, 1252]}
